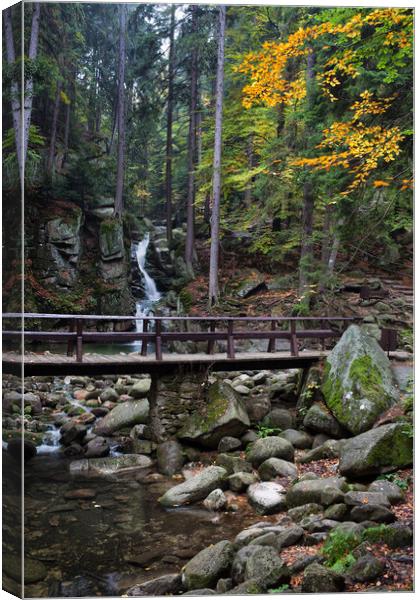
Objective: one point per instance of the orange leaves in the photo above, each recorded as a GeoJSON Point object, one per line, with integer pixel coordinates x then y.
{"type": "Point", "coordinates": [368, 106]}
{"type": "Point", "coordinates": [378, 183]}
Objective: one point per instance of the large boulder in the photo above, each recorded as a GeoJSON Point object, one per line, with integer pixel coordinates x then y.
{"type": "Point", "coordinates": [320, 420]}
{"type": "Point", "coordinates": [195, 488]}
{"type": "Point", "coordinates": [270, 447]}
{"type": "Point", "coordinates": [325, 491]}
{"type": "Point", "coordinates": [109, 465]}
{"type": "Point", "coordinates": [380, 450]}
{"type": "Point", "coordinates": [318, 579]}
{"type": "Point", "coordinates": [223, 415]}
{"type": "Point", "coordinates": [358, 383]}
{"type": "Point", "coordinates": [123, 415]}
{"type": "Point", "coordinates": [204, 570]}
{"type": "Point", "coordinates": [170, 457]}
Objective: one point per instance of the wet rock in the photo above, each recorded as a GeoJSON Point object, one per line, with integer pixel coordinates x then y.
{"type": "Point", "coordinates": [320, 420]}
{"type": "Point", "coordinates": [366, 568]}
{"type": "Point", "coordinates": [228, 443]}
{"type": "Point", "coordinates": [109, 465]}
{"type": "Point", "coordinates": [239, 482]}
{"type": "Point", "coordinates": [208, 566]}
{"type": "Point", "coordinates": [267, 498]}
{"type": "Point", "coordinates": [160, 586]}
{"type": "Point", "coordinates": [15, 446]}
{"type": "Point", "coordinates": [318, 579]}
{"type": "Point", "coordinates": [358, 382]}
{"type": "Point", "coordinates": [170, 457]}
{"type": "Point", "coordinates": [123, 415]}
{"type": "Point", "coordinates": [72, 432]}
{"type": "Point", "coordinates": [299, 439]}
{"type": "Point", "coordinates": [224, 415]}
{"type": "Point", "coordinates": [97, 448]}
{"type": "Point", "coordinates": [34, 402]}
{"type": "Point", "coordinates": [276, 467]}
{"type": "Point", "coordinates": [9, 399]}
{"type": "Point", "coordinates": [380, 450]}
{"type": "Point", "coordinates": [34, 570]}
{"type": "Point", "coordinates": [270, 447]}
{"type": "Point", "coordinates": [196, 488]}
{"type": "Point", "coordinates": [216, 500]}
{"type": "Point", "coordinates": [140, 389]}
{"type": "Point", "coordinates": [391, 490]}
{"type": "Point", "coordinates": [80, 494]}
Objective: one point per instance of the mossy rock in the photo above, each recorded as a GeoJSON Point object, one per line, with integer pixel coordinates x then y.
{"type": "Point", "coordinates": [224, 414]}
{"type": "Point", "coordinates": [358, 384]}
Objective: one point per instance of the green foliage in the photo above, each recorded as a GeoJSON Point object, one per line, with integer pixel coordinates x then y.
{"type": "Point", "coordinates": [279, 590]}
{"type": "Point", "coordinates": [338, 549]}
{"type": "Point", "coordinates": [401, 483]}
{"type": "Point", "coordinates": [264, 431]}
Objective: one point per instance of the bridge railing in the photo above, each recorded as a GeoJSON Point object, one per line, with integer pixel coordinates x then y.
{"type": "Point", "coordinates": [217, 329]}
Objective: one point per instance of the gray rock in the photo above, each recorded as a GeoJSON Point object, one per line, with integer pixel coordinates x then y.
{"type": "Point", "coordinates": [123, 415]}
{"type": "Point", "coordinates": [249, 437]}
{"type": "Point", "coordinates": [267, 498]}
{"type": "Point", "coordinates": [319, 439]}
{"type": "Point", "coordinates": [216, 500]}
{"type": "Point", "coordinates": [257, 407]}
{"type": "Point", "coordinates": [239, 482]}
{"type": "Point", "coordinates": [362, 498]}
{"type": "Point", "coordinates": [224, 585]}
{"type": "Point", "coordinates": [160, 586]}
{"type": "Point", "coordinates": [34, 401]}
{"type": "Point", "coordinates": [320, 420]}
{"type": "Point", "coordinates": [245, 537]}
{"type": "Point", "coordinates": [276, 467]}
{"type": "Point", "coordinates": [170, 457]}
{"type": "Point", "coordinates": [97, 448]}
{"type": "Point", "coordinates": [140, 389]}
{"type": "Point", "coordinates": [391, 490]}
{"type": "Point", "coordinates": [266, 567]}
{"type": "Point", "coordinates": [319, 491]}
{"type": "Point", "coordinates": [337, 512]}
{"type": "Point", "coordinates": [366, 568]}
{"type": "Point", "coordinates": [372, 512]}
{"type": "Point", "coordinates": [228, 443]}
{"type": "Point", "coordinates": [34, 570]}
{"type": "Point", "coordinates": [305, 510]}
{"type": "Point", "coordinates": [266, 539]}
{"type": "Point", "coordinates": [289, 536]}
{"type": "Point", "coordinates": [358, 384]}
{"type": "Point", "coordinates": [395, 535]}
{"type": "Point", "coordinates": [72, 432]}
{"type": "Point", "coordinates": [251, 586]}
{"type": "Point", "coordinates": [233, 464]}
{"type": "Point", "coordinates": [379, 450]}
{"type": "Point", "coordinates": [209, 565]}
{"type": "Point", "coordinates": [224, 415]}
{"type": "Point", "coordinates": [329, 449]}
{"type": "Point", "coordinates": [279, 418]}
{"type": "Point", "coordinates": [299, 439]}
{"type": "Point", "coordinates": [200, 592]}
{"type": "Point", "coordinates": [109, 395]}
{"type": "Point", "coordinates": [318, 579]}
{"type": "Point", "coordinates": [270, 447]}
{"type": "Point", "coordinates": [14, 448]}
{"type": "Point", "coordinates": [349, 528]}
{"type": "Point", "coordinates": [109, 465]}
{"type": "Point", "coordinates": [196, 488]}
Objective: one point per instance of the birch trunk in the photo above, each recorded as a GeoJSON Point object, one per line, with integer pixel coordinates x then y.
{"type": "Point", "coordinates": [215, 215]}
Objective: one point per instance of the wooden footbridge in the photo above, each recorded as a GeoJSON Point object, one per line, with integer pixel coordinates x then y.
{"type": "Point", "coordinates": [157, 336]}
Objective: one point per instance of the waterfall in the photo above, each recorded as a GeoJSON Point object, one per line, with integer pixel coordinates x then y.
{"type": "Point", "coordinates": [143, 307]}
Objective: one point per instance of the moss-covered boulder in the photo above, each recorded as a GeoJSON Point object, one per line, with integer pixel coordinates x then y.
{"type": "Point", "coordinates": [380, 450]}
{"type": "Point", "coordinates": [111, 239]}
{"type": "Point", "coordinates": [224, 414]}
{"type": "Point", "coordinates": [204, 570]}
{"type": "Point", "coordinates": [358, 384]}
{"type": "Point", "coordinates": [123, 415]}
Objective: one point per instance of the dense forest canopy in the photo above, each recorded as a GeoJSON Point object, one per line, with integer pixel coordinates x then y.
{"type": "Point", "coordinates": [316, 150]}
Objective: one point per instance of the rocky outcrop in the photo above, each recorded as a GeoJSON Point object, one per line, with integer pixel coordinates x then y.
{"type": "Point", "coordinates": [380, 450]}
{"type": "Point", "coordinates": [358, 383]}
{"type": "Point", "coordinates": [223, 415]}
{"type": "Point", "coordinates": [123, 415]}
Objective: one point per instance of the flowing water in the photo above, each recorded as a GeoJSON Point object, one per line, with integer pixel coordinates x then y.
{"type": "Point", "coordinates": [145, 306]}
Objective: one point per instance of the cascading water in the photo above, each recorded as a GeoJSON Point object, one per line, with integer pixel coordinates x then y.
{"type": "Point", "coordinates": [144, 306]}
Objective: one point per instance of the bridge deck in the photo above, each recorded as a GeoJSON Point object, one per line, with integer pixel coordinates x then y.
{"type": "Point", "coordinates": [98, 364]}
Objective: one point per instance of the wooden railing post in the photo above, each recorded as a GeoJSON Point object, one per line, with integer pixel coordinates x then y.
{"type": "Point", "coordinates": [144, 342]}
{"type": "Point", "coordinates": [79, 340]}
{"type": "Point", "coordinates": [158, 339]}
{"type": "Point", "coordinates": [323, 326]}
{"type": "Point", "coordinates": [230, 341]}
{"type": "Point", "coordinates": [210, 345]}
{"type": "Point", "coordinates": [293, 339]}
{"type": "Point", "coordinates": [272, 341]}
{"type": "Point", "coordinates": [70, 343]}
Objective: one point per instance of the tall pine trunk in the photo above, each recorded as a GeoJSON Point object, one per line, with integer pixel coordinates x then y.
{"type": "Point", "coordinates": [29, 85]}
{"type": "Point", "coordinates": [168, 172]}
{"type": "Point", "coordinates": [53, 137]}
{"type": "Point", "coordinates": [306, 253]}
{"type": "Point", "coordinates": [118, 206]}
{"type": "Point", "coordinates": [190, 239]}
{"type": "Point", "coordinates": [215, 214]}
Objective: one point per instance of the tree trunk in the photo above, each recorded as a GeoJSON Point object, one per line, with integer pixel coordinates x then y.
{"type": "Point", "coordinates": [326, 235]}
{"type": "Point", "coordinates": [14, 91]}
{"type": "Point", "coordinates": [190, 239]}
{"type": "Point", "coordinates": [53, 137]}
{"type": "Point", "coordinates": [250, 160]}
{"type": "Point", "coordinates": [215, 215]}
{"type": "Point", "coordinates": [69, 107]}
{"type": "Point", "coordinates": [168, 174]}
{"type": "Point", "coordinates": [29, 86]}
{"type": "Point", "coordinates": [118, 206]}
{"type": "Point", "coordinates": [306, 254]}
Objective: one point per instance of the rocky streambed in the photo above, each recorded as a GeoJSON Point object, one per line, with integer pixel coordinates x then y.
{"type": "Point", "coordinates": [222, 483]}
